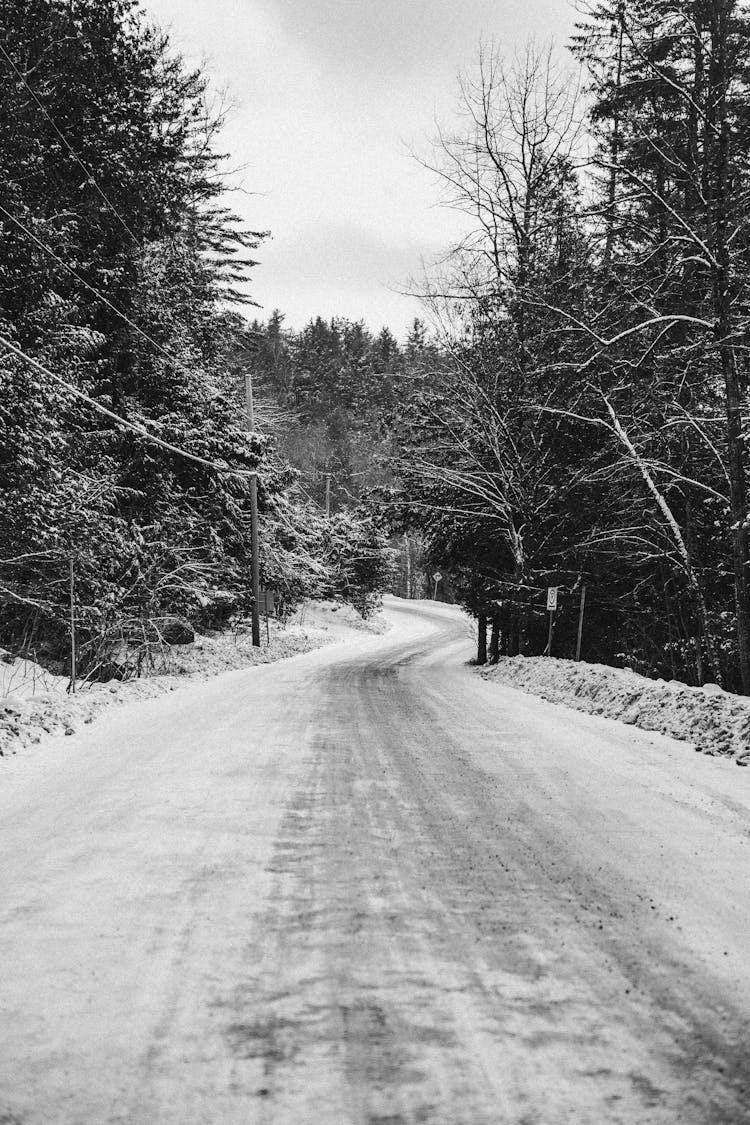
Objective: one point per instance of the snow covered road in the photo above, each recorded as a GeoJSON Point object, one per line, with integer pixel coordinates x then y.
{"type": "Point", "coordinates": [366, 887]}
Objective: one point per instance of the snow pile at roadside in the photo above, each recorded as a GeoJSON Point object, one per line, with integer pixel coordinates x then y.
{"type": "Point", "coordinates": [715, 721]}
{"type": "Point", "coordinates": [34, 702]}
{"type": "Point", "coordinates": [336, 618]}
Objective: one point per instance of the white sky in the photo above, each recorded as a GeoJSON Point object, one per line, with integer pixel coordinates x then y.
{"type": "Point", "coordinates": [328, 97]}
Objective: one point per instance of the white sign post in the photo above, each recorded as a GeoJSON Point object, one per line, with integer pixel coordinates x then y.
{"type": "Point", "coordinates": [437, 577]}
{"type": "Point", "coordinates": [552, 607]}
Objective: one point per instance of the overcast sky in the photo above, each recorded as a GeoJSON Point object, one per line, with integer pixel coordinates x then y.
{"type": "Point", "coordinates": [328, 97]}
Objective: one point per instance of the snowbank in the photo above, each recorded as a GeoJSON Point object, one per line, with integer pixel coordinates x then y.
{"type": "Point", "coordinates": [34, 702]}
{"type": "Point", "coordinates": [715, 721]}
{"type": "Point", "coordinates": [337, 618]}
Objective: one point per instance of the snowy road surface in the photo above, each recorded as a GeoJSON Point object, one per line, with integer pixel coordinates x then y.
{"type": "Point", "coordinates": [365, 887]}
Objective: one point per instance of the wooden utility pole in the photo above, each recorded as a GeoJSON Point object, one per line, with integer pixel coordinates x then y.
{"type": "Point", "coordinates": [254, 537]}
{"type": "Point", "coordinates": [72, 629]}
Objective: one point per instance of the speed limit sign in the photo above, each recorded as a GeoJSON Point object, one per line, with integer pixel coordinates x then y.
{"type": "Point", "coordinates": [552, 598]}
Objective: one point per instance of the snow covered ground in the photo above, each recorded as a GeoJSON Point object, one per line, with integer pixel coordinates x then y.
{"type": "Point", "coordinates": [367, 886]}
{"type": "Point", "coordinates": [35, 703]}
{"type": "Point", "coordinates": [714, 721]}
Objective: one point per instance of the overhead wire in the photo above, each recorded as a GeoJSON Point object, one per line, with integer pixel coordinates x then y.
{"type": "Point", "coordinates": [92, 288]}
{"type": "Point", "coordinates": [180, 364]}
{"type": "Point", "coordinates": [88, 173]}
{"type": "Point", "coordinates": [125, 422]}
{"type": "Point", "coordinates": [133, 426]}
{"type": "Point", "coordinates": [12, 348]}
{"type": "Point", "coordinates": [48, 249]}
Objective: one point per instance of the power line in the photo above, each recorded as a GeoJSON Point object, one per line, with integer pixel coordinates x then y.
{"type": "Point", "coordinates": [149, 339]}
{"type": "Point", "coordinates": [180, 364]}
{"type": "Point", "coordinates": [91, 179]}
{"type": "Point", "coordinates": [134, 426]}
{"type": "Point", "coordinates": [97, 406]}
{"type": "Point", "coordinates": [89, 175]}
{"type": "Point", "coordinates": [92, 289]}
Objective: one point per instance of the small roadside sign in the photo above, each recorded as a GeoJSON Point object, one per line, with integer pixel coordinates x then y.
{"type": "Point", "coordinates": [267, 604]}
{"type": "Point", "coordinates": [552, 607]}
{"type": "Point", "coordinates": [437, 576]}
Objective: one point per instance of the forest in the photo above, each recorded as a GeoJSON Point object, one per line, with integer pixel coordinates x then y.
{"type": "Point", "coordinates": [590, 428]}
{"type": "Point", "coordinates": [570, 412]}
{"type": "Point", "coordinates": [125, 445]}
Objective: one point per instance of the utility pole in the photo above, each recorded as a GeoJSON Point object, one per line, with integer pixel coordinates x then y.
{"type": "Point", "coordinates": [254, 537]}
{"type": "Point", "coordinates": [328, 495]}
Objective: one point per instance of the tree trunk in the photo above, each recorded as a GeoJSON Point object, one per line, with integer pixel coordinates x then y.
{"type": "Point", "coordinates": [495, 639]}
{"type": "Point", "coordinates": [614, 145]}
{"type": "Point", "coordinates": [523, 629]}
{"type": "Point", "coordinates": [719, 206]}
{"type": "Point", "coordinates": [482, 639]}
{"type": "Point", "coordinates": [407, 555]}
{"type": "Point", "coordinates": [506, 621]}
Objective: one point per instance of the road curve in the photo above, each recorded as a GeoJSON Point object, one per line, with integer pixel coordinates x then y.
{"type": "Point", "coordinates": [365, 887]}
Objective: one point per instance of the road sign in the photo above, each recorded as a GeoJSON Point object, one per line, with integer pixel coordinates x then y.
{"type": "Point", "coordinates": [437, 576]}
{"type": "Point", "coordinates": [551, 598]}
{"type": "Point", "coordinates": [266, 603]}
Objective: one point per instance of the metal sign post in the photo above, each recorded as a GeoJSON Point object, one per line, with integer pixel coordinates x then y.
{"type": "Point", "coordinates": [267, 606]}
{"type": "Point", "coordinates": [580, 622]}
